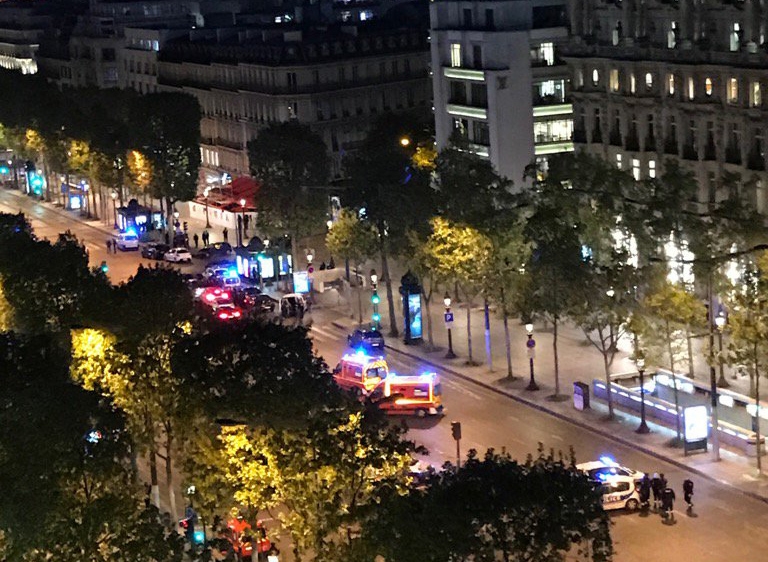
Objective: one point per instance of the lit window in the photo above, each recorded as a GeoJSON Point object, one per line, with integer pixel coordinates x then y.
{"type": "Point", "coordinates": [672, 35]}
{"type": "Point", "coordinates": [648, 80]}
{"type": "Point", "coordinates": [632, 84]}
{"type": "Point", "coordinates": [618, 161]}
{"type": "Point", "coordinates": [455, 55]}
{"type": "Point", "coordinates": [614, 79]}
{"type": "Point", "coordinates": [579, 78]}
{"type": "Point", "coordinates": [708, 86]}
{"type": "Point", "coordinates": [595, 77]}
{"type": "Point", "coordinates": [735, 37]}
{"type": "Point", "coordinates": [547, 53]}
{"type": "Point", "coordinates": [756, 96]}
{"type": "Point", "coordinates": [733, 90]}
{"type": "Point", "coordinates": [671, 84]}
{"type": "Point", "coordinates": [651, 168]}
{"type": "Point", "coordinates": [636, 169]}
{"type": "Point", "coordinates": [691, 91]}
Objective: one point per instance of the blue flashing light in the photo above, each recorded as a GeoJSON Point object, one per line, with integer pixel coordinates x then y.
{"type": "Point", "coordinates": [199, 537]}
{"type": "Point", "coordinates": [94, 436]}
{"type": "Point", "coordinates": [37, 181]}
{"type": "Point", "coordinates": [360, 352]}
{"type": "Point", "coordinates": [131, 231]}
{"type": "Point", "coordinates": [376, 317]}
{"type": "Point", "coordinates": [607, 460]}
{"type": "Point", "coordinates": [104, 267]}
{"type": "Point", "coordinates": [4, 170]}
{"type": "Point", "coordinates": [602, 476]}
{"type": "Point", "coordinates": [232, 272]}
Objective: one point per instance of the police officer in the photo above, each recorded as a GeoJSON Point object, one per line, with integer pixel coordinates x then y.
{"type": "Point", "coordinates": [645, 491]}
{"type": "Point", "coordinates": [688, 492]}
{"type": "Point", "coordinates": [667, 502]}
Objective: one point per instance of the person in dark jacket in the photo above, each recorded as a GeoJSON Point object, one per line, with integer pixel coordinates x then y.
{"type": "Point", "coordinates": [667, 502]}
{"type": "Point", "coordinates": [645, 491]}
{"type": "Point", "coordinates": [688, 492]}
{"type": "Point", "coordinates": [656, 489]}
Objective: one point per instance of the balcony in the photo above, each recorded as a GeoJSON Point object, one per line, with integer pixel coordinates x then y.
{"type": "Point", "coordinates": [460, 110]}
{"type": "Point", "coordinates": [464, 74]}
{"type": "Point", "coordinates": [733, 154]}
{"type": "Point", "coordinates": [614, 138]}
{"type": "Point", "coordinates": [552, 110]}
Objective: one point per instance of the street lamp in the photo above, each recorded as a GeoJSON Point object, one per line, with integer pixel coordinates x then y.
{"type": "Point", "coordinates": [375, 299]}
{"type": "Point", "coordinates": [114, 206]}
{"type": "Point", "coordinates": [242, 223]}
{"type": "Point", "coordinates": [643, 427]}
{"type": "Point", "coordinates": [720, 322]}
{"type": "Point", "coordinates": [405, 141]}
{"type": "Point", "coordinates": [448, 324]}
{"type": "Point", "coordinates": [206, 192]}
{"type": "Point", "coordinates": [531, 346]}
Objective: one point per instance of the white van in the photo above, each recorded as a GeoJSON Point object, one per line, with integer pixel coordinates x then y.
{"type": "Point", "coordinates": [127, 241]}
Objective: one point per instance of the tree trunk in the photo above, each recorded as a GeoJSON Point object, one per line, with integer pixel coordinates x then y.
{"type": "Point", "coordinates": [470, 361]}
{"type": "Point", "coordinates": [427, 298]}
{"type": "Point", "coordinates": [155, 487]}
{"type": "Point", "coordinates": [678, 429]}
{"type": "Point", "coordinates": [388, 283]}
{"type": "Point", "coordinates": [757, 417]}
{"type": "Point", "coordinates": [93, 199]}
{"type": "Point", "coordinates": [690, 352]}
{"type": "Point", "coordinates": [507, 341]}
{"type": "Point", "coordinates": [608, 388]}
{"type": "Point", "coordinates": [359, 304]}
{"type": "Point", "coordinates": [169, 473]}
{"type": "Point", "coordinates": [555, 323]}
{"type": "Point", "coordinates": [487, 319]}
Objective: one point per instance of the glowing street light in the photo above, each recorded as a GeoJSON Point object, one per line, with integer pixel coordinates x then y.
{"type": "Point", "coordinates": [720, 322]}
{"type": "Point", "coordinates": [405, 141]}
{"type": "Point", "coordinates": [531, 346]}
{"type": "Point", "coordinates": [114, 206]}
{"type": "Point", "coordinates": [242, 222]}
{"type": "Point", "coordinates": [375, 299]}
{"type": "Point", "coordinates": [643, 427]}
{"type": "Point", "coordinates": [448, 324]}
{"type": "Point", "coordinates": [206, 192]}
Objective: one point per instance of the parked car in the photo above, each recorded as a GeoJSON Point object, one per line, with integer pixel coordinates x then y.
{"type": "Point", "coordinates": [260, 303]}
{"type": "Point", "coordinates": [227, 311]}
{"type": "Point", "coordinates": [176, 255]}
{"type": "Point", "coordinates": [606, 467]}
{"type": "Point", "coordinates": [371, 340]}
{"type": "Point", "coordinates": [293, 305]}
{"type": "Point", "coordinates": [215, 250]}
{"type": "Point", "coordinates": [154, 250]}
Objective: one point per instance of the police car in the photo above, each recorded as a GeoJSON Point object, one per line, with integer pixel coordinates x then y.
{"type": "Point", "coordinates": [606, 466]}
{"type": "Point", "coordinates": [619, 492]}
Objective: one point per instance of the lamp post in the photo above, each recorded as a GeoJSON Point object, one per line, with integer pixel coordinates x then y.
{"type": "Point", "coordinates": [114, 207]}
{"type": "Point", "coordinates": [405, 142]}
{"type": "Point", "coordinates": [531, 346]}
{"type": "Point", "coordinates": [448, 324]}
{"type": "Point", "coordinates": [206, 192]}
{"type": "Point", "coordinates": [643, 427]}
{"type": "Point", "coordinates": [375, 299]}
{"type": "Point", "coordinates": [242, 222]}
{"type": "Point", "coordinates": [720, 322]}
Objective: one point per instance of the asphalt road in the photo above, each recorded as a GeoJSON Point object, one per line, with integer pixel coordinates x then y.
{"type": "Point", "coordinates": [724, 525]}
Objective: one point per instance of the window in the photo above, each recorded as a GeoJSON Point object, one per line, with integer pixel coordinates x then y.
{"type": "Point", "coordinates": [651, 168]}
{"type": "Point", "coordinates": [671, 84]}
{"type": "Point", "coordinates": [735, 35]}
{"type": "Point", "coordinates": [708, 86]}
{"type": "Point", "coordinates": [477, 56]}
{"type": "Point", "coordinates": [636, 169]}
{"type": "Point", "coordinates": [672, 35]}
{"type": "Point", "coordinates": [733, 90]}
{"type": "Point", "coordinates": [455, 55]}
{"type": "Point", "coordinates": [489, 23]}
{"type": "Point", "coordinates": [556, 130]}
{"type": "Point", "coordinates": [316, 77]}
{"type": "Point", "coordinates": [691, 90]}
{"type": "Point", "coordinates": [595, 77]}
{"type": "Point", "coordinates": [467, 13]}
{"type": "Point", "coordinates": [579, 78]}
{"type": "Point", "coordinates": [479, 95]}
{"type": "Point", "coordinates": [755, 95]}
{"type": "Point", "coordinates": [614, 79]}
{"type": "Point", "coordinates": [458, 92]}
{"type": "Point", "coordinates": [632, 83]}
{"type": "Point", "coordinates": [648, 80]}
{"type": "Point", "coordinates": [547, 53]}
{"type": "Point", "coordinates": [618, 161]}
{"type": "Point", "coordinates": [480, 133]}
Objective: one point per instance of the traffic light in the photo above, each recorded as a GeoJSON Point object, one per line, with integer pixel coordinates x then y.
{"type": "Point", "coordinates": [104, 267]}
{"type": "Point", "coordinates": [375, 298]}
{"type": "Point", "coordinates": [456, 430]}
{"type": "Point", "coordinates": [5, 170]}
{"type": "Point", "coordinates": [377, 318]}
{"type": "Point", "coordinates": [29, 166]}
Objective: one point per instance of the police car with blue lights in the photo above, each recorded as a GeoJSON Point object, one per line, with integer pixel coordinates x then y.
{"type": "Point", "coordinates": [618, 484]}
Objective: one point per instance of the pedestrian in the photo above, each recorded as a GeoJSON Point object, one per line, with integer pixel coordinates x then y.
{"type": "Point", "coordinates": [645, 491]}
{"type": "Point", "coordinates": [225, 232]}
{"type": "Point", "coordinates": [167, 238]}
{"type": "Point", "coordinates": [109, 246]}
{"type": "Point", "coordinates": [331, 264]}
{"type": "Point", "coordinates": [664, 484]}
{"type": "Point", "coordinates": [688, 493]}
{"type": "Point", "coordinates": [114, 245]}
{"type": "Point", "coordinates": [656, 489]}
{"type": "Point", "coordinates": [667, 502]}
{"type": "Point", "coordinates": [205, 238]}
{"type": "Point", "coordinates": [195, 238]}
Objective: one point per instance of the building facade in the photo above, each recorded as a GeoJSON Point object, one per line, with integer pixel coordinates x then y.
{"type": "Point", "coordinates": [336, 79]}
{"type": "Point", "coordinates": [499, 81]}
{"type": "Point", "coordinates": [686, 80]}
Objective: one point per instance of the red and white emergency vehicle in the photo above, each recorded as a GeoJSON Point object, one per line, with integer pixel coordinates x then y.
{"type": "Point", "coordinates": [360, 373]}
{"type": "Point", "coordinates": [419, 395]}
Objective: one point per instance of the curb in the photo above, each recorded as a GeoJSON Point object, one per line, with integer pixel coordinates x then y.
{"type": "Point", "coordinates": [65, 214]}
{"type": "Point", "coordinates": [579, 424]}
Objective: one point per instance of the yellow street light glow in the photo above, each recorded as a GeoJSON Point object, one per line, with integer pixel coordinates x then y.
{"type": "Point", "coordinates": [405, 141]}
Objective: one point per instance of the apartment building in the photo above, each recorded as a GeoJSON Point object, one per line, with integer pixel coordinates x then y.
{"type": "Point", "coordinates": [499, 81]}
{"type": "Point", "coordinates": [336, 78]}
{"type": "Point", "coordinates": [22, 27]}
{"type": "Point", "coordinates": [674, 80]}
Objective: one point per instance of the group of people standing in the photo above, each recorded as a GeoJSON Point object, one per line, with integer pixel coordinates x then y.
{"type": "Point", "coordinates": [663, 495]}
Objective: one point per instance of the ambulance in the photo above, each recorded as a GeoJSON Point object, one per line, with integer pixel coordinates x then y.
{"type": "Point", "coordinates": [418, 395]}
{"type": "Point", "coordinates": [361, 373]}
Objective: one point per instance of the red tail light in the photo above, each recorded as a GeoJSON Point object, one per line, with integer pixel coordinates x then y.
{"type": "Point", "coordinates": [223, 315]}
{"type": "Point", "coordinates": [236, 314]}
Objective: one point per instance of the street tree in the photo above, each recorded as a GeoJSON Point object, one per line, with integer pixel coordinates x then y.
{"type": "Point", "coordinates": [354, 240]}
{"type": "Point", "coordinates": [459, 254]}
{"type": "Point", "coordinates": [292, 165]}
{"type": "Point", "coordinates": [394, 191]}
{"type": "Point", "coordinates": [542, 509]}
{"type": "Point", "coordinates": [139, 173]}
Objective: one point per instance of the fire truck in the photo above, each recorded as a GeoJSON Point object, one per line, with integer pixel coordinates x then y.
{"type": "Point", "coordinates": [361, 373]}
{"type": "Point", "coordinates": [418, 395]}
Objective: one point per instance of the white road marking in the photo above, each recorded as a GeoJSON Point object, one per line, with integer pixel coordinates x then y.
{"type": "Point", "coordinates": [556, 436]}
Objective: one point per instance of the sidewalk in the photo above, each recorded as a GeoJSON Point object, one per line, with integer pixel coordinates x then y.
{"type": "Point", "coordinates": [578, 362]}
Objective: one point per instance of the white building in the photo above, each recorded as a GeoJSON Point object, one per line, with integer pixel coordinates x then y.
{"type": "Point", "coordinates": [498, 80]}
